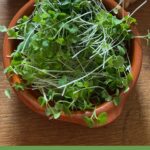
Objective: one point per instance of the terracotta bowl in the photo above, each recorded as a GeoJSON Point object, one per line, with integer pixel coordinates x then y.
{"type": "Point", "coordinates": [30, 99]}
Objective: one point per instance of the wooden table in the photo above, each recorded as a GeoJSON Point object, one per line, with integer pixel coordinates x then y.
{"type": "Point", "coordinates": [20, 126]}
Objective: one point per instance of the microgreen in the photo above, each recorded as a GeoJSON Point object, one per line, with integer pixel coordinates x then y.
{"type": "Point", "coordinates": [74, 53]}
{"type": "Point", "coordinates": [89, 121]}
{"type": "Point", "coordinates": [7, 93]}
{"type": "Point", "coordinates": [100, 119]}
{"type": "Point", "coordinates": [19, 86]}
{"type": "Point", "coordinates": [3, 28]}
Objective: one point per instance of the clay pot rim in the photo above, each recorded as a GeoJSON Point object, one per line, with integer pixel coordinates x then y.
{"type": "Point", "coordinates": [105, 107]}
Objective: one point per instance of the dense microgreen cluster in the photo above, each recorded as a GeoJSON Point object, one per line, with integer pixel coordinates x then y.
{"type": "Point", "coordinates": [74, 53]}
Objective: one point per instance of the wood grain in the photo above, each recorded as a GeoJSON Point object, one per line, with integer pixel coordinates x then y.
{"type": "Point", "coordinates": [20, 126]}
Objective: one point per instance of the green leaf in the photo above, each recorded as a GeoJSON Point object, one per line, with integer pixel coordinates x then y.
{"type": "Point", "coordinates": [45, 43]}
{"type": "Point", "coordinates": [51, 111]}
{"type": "Point", "coordinates": [58, 106]}
{"type": "Point", "coordinates": [129, 77]}
{"type": "Point", "coordinates": [48, 111]}
{"type": "Point", "coordinates": [37, 18]}
{"type": "Point", "coordinates": [60, 41]}
{"type": "Point", "coordinates": [117, 92]}
{"type": "Point", "coordinates": [102, 118]}
{"type": "Point", "coordinates": [122, 50]}
{"type": "Point", "coordinates": [62, 81]}
{"type": "Point", "coordinates": [118, 62]}
{"type": "Point", "coordinates": [74, 29]}
{"type": "Point", "coordinates": [19, 86]}
{"type": "Point", "coordinates": [7, 93]}
{"type": "Point", "coordinates": [17, 59]}
{"type": "Point", "coordinates": [8, 70]}
{"type": "Point", "coordinates": [12, 33]}
{"type": "Point", "coordinates": [57, 115]}
{"type": "Point", "coordinates": [50, 94]}
{"type": "Point", "coordinates": [130, 19]}
{"type": "Point", "coordinates": [89, 121]}
{"type": "Point", "coordinates": [126, 89]}
{"type": "Point", "coordinates": [86, 84]}
{"type": "Point", "coordinates": [61, 16]}
{"type": "Point", "coordinates": [65, 108]}
{"type": "Point", "coordinates": [52, 13]}
{"type": "Point", "coordinates": [3, 28]}
{"type": "Point", "coordinates": [148, 35]}
{"type": "Point", "coordinates": [45, 15]}
{"type": "Point", "coordinates": [116, 100]}
{"type": "Point", "coordinates": [80, 84]}
{"type": "Point", "coordinates": [106, 95]}
{"type": "Point", "coordinates": [25, 18]}
{"type": "Point", "coordinates": [42, 101]}
{"type": "Point", "coordinates": [121, 69]}
{"type": "Point", "coordinates": [71, 28]}
{"type": "Point", "coordinates": [75, 96]}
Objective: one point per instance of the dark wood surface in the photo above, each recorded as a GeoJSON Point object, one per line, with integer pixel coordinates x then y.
{"type": "Point", "coordinates": [21, 126]}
